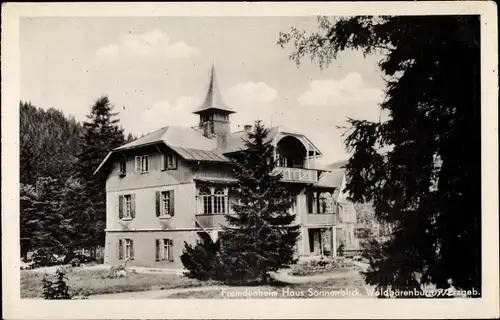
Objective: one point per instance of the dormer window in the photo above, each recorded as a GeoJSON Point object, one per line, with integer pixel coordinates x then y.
{"type": "Point", "coordinates": [142, 164]}
{"type": "Point", "coordinates": [168, 161]}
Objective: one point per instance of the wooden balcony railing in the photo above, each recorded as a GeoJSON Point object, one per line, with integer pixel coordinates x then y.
{"type": "Point", "coordinates": [320, 219]}
{"type": "Point", "coordinates": [298, 175]}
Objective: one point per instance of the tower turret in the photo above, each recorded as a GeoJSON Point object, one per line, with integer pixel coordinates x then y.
{"type": "Point", "coordinates": [214, 114]}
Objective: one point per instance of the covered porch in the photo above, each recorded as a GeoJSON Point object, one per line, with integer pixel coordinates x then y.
{"type": "Point", "coordinates": [318, 241]}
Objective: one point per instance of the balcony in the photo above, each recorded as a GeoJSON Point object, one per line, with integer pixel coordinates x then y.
{"type": "Point", "coordinates": [211, 221]}
{"type": "Point", "coordinates": [298, 175]}
{"type": "Point", "coordinates": [319, 219]}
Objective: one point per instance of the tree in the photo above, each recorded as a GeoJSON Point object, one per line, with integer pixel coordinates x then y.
{"type": "Point", "coordinates": [427, 181]}
{"type": "Point", "coordinates": [48, 144]}
{"type": "Point", "coordinates": [260, 237]}
{"type": "Point", "coordinates": [57, 289]}
{"type": "Point", "coordinates": [42, 224]}
{"type": "Point", "coordinates": [130, 138]}
{"type": "Point", "coordinates": [101, 134]}
{"type": "Point", "coordinates": [30, 221]}
{"type": "Point", "coordinates": [77, 208]}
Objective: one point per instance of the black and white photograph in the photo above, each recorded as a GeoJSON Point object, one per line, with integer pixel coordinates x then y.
{"type": "Point", "coordinates": [250, 157]}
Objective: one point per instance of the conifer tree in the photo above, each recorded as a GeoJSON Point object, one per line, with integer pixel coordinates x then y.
{"type": "Point", "coordinates": [30, 221]}
{"type": "Point", "coordinates": [77, 209]}
{"type": "Point", "coordinates": [260, 237]}
{"type": "Point", "coordinates": [101, 134]}
{"type": "Point", "coordinates": [42, 224]}
{"type": "Point", "coordinates": [421, 168]}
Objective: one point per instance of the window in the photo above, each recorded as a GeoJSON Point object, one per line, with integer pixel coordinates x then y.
{"type": "Point", "coordinates": [325, 203]}
{"type": "Point", "coordinates": [219, 201]}
{"type": "Point", "coordinates": [168, 162]}
{"type": "Point", "coordinates": [123, 167]}
{"type": "Point", "coordinates": [281, 161]}
{"type": "Point", "coordinates": [206, 200]}
{"type": "Point", "coordinates": [126, 206]}
{"type": "Point", "coordinates": [128, 249]}
{"type": "Point", "coordinates": [320, 202]}
{"type": "Point", "coordinates": [125, 249]}
{"type": "Point", "coordinates": [142, 164]}
{"type": "Point", "coordinates": [164, 250]}
{"type": "Point", "coordinates": [165, 204]}
{"type": "Point", "coordinates": [212, 200]}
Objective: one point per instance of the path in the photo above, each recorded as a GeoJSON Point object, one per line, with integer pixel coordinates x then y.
{"type": "Point", "coordinates": [283, 276]}
{"type": "Point", "coordinates": [161, 294]}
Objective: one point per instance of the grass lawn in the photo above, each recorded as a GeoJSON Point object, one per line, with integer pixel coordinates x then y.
{"type": "Point", "coordinates": [89, 282]}
{"type": "Point", "coordinates": [332, 288]}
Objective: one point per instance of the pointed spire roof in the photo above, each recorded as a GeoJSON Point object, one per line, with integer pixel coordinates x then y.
{"type": "Point", "coordinates": [214, 98]}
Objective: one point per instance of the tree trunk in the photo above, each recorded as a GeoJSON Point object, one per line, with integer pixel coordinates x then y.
{"type": "Point", "coordinates": [69, 255]}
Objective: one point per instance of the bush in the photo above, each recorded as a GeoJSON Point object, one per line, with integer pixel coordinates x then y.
{"type": "Point", "coordinates": [201, 260]}
{"type": "Point", "coordinates": [341, 250]}
{"type": "Point", "coordinates": [44, 258]}
{"type": "Point", "coordinates": [320, 266]}
{"type": "Point", "coordinates": [56, 289]}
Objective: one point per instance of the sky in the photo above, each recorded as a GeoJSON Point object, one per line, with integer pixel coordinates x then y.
{"type": "Point", "coordinates": [155, 72]}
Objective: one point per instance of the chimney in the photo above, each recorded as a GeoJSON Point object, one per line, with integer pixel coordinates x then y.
{"type": "Point", "coordinates": [248, 128]}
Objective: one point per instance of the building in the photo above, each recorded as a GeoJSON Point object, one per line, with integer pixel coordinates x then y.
{"type": "Point", "coordinates": [357, 221]}
{"type": "Point", "coordinates": [174, 184]}
{"type": "Point", "coordinates": [347, 215]}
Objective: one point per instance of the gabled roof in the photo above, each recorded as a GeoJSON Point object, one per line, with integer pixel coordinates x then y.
{"type": "Point", "coordinates": [192, 145]}
{"type": "Point", "coordinates": [213, 100]}
{"type": "Point", "coordinates": [189, 143]}
{"type": "Point", "coordinates": [174, 136]}
{"type": "Point", "coordinates": [236, 140]}
{"type": "Point", "coordinates": [331, 179]}
{"type": "Point", "coordinates": [337, 165]}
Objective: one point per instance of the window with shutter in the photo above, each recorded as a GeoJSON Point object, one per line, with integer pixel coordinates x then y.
{"type": "Point", "coordinates": [137, 164]}
{"type": "Point", "coordinates": [142, 164]}
{"type": "Point", "coordinates": [129, 249]}
{"type": "Point", "coordinates": [165, 204]}
{"type": "Point", "coordinates": [168, 161]}
{"type": "Point", "coordinates": [123, 167]}
{"type": "Point", "coordinates": [164, 250]}
{"type": "Point", "coordinates": [127, 206]}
